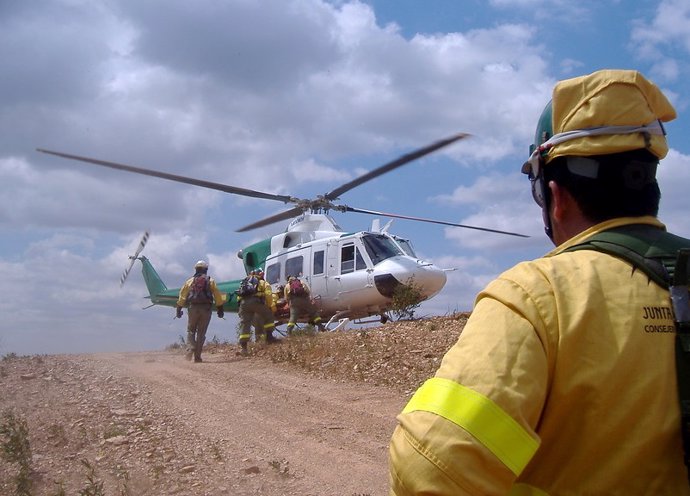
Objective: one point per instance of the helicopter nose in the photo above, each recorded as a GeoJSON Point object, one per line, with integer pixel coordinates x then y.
{"type": "Point", "coordinates": [430, 278]}
{"type": "Point", "coordinates": [425, 276]}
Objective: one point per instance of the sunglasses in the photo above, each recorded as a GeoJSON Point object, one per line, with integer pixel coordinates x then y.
{"type": "Point", "coordinates": [534, 168]}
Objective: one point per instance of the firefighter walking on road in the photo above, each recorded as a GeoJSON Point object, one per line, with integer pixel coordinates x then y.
{"type": "Point", "coordinates": [298, 294]}
{"type": "Point", "coordinates": [199, 295]}
{"type": "Point", "coordinates": [256, 307]}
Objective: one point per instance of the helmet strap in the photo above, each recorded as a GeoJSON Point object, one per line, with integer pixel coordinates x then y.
{"type": "Point", "coordinates": [547, 223]}
{"type": "Point", "coordinates": [544, 193]}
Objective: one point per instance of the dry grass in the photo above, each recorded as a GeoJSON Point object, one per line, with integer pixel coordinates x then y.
{"type": "Point", "coordinates": [401, 355]}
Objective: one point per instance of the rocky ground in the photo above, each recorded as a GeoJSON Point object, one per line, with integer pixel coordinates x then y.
{"type": "Point", "coordinates": [309, 416]}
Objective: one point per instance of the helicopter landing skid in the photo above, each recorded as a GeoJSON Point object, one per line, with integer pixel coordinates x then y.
{"type": "Point", "coordinates": [338, 317]}
{"type": "Point", "coordinates": [382, 319]}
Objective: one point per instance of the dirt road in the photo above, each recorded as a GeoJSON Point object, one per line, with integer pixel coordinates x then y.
{"type": "Point", "coordinates": [156, 424]}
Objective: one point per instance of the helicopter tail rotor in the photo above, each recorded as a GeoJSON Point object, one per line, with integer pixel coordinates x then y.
{"type": "Point", "coordinates": [134, 257]}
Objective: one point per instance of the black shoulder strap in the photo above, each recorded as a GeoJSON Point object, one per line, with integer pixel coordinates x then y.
{"type": "Point", "coordinates": [680, 300]}
{"type": "Point", "coordinates": [664, 258]}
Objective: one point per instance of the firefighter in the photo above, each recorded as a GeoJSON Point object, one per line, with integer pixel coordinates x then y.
{"type": "Point", "coordinates": [563, 380]}
{"type": "Point", "coordinates": [281, 303]}
{"type": "Point", "coordinates": [266, 330]}
{"type": "Point", "coordinates": [199, 295]}
{"type": "Point", "coordinates": [256, 307]}
{"type": "Point", "coordinates": [298, 295]}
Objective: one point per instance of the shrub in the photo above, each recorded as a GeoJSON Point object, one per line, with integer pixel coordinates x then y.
{"type": "Point", "coordinates": [406, 299]}
{"type": "Point", "coordinates": [14, 442]}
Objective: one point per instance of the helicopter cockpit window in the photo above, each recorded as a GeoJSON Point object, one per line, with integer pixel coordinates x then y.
{"type": "Point", "coordinates": [380, 247]}
{"type": "Point", "coordinates": [318, 262]}
{"type": "Point", "coordinates": [273, 273]}
{"type": "Point", "coordinates": [294, 267]}
{"type": "Point", "coordinates": [406, 246]}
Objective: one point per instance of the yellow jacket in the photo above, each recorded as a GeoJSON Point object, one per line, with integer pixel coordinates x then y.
{"type": "Point", "coordinates": [264, 292]}
{"type": "Point", "coordinates": [563, 382]}
{"type": "Point", "coordinates": [218, 297]}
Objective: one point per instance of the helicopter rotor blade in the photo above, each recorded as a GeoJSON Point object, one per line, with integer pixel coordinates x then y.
{"type": "Point", "coordinates": [409, 157]}
{"type": "Point", "coordinates": [134, 257]}
{"type": "Point", "coordinates": [288, 214]}
{"type": "Point", "coordinates": [174, 177]}
{"type": "Point", "coordinates": [433, 221]}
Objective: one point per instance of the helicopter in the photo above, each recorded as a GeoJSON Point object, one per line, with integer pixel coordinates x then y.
{"type": "Point", "coordinates": [352, 275]}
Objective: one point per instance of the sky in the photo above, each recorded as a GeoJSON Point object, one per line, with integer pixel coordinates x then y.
{"type": "Point", "coordinates": [290, 97]}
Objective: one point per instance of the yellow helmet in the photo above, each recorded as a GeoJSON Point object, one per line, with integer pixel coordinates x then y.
{"type": "Point", "coordinates": [608, 111]}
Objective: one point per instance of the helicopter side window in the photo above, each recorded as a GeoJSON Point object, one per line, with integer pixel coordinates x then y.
{"type": "Point", "coordinates": [294, 266]}
{"type": "Point", "coordinates": [273, 273]}
{"type": "Point", "coordinates": [351, 259]}
{"type": "Point", "coordinates": [380, 247]}
{"type": "Point", "coordinates": [318, 262]}
{"type": "Point", "coordinates": [347, 259]}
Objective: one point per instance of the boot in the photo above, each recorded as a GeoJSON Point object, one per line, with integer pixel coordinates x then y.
{"type": "Point", "coordinates": [191, 344]}
{"type": "Point", "coordinates": [270, 338]}
{"type": "Point", "coordinates": [243, 349]}
{"type": "Point", "coordinates": [197, 351]}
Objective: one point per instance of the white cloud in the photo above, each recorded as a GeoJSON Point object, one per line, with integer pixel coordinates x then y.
{"type": "Point", "coordinates": [665, 40]}
{"type": "Point", "coordinates": [674, 176]}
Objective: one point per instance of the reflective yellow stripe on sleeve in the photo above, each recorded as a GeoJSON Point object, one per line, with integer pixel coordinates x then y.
{"type": "Point", "coordinates": [479, 416]}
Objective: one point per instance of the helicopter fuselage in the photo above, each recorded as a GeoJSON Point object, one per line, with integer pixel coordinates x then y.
{"type": "Point", "coordinates": [353, 275]}
{"type": "Point", "coordinates": [350, 274]}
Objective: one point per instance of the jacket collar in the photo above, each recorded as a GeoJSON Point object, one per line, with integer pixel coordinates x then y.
{"type": "Point", "coordinates": [604, 226]}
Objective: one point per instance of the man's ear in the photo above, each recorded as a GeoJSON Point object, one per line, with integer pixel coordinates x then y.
{"type": "Point", "coordinates": [567, 218]}
{"type": "Point", "coordinates": [561, 201]}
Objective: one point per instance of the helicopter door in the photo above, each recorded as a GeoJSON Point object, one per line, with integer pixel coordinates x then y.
{"type": "Point", "coordinates": [318, 271]}
{"type": "Point", "coordinates": [309, 263]}
{"type": "Point", "coordinates": [332, 270]}
{"type": "Point", "coordinates": [350, 273]}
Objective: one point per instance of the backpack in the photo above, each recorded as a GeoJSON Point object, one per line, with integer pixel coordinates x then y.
{"type": "Point", "coordinates": [664, 257]}
{"type": "Point", "coordinates": [199, 291]}
{"type": "Point", "coordinates": [297, 288]}
{"type": "Point", "coordinates": [249, 286]}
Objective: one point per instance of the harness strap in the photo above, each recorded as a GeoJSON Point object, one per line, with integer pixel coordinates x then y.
{"type": "Point", "coordinates": [680, 301]}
